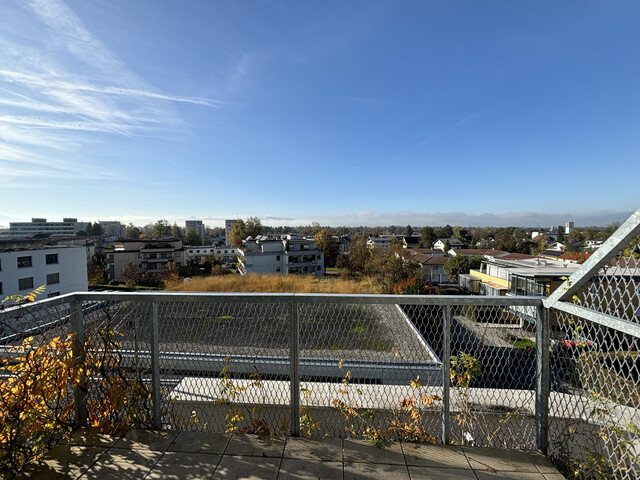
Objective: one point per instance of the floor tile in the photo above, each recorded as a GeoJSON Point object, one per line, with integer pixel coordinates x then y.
{"type": "Point", "coordinates": [90, 437]}
{"type": "Point", "coordinates": [293, 469]}
{"type": "Point", "coordinates": [368, 471]}
{"type": "Point", "coordinates": [247, 468]}
{"type": "Point", "coordinates": [543, 463]}
{"type": "Point", "coordinates": [435, 455]}
{"type": "Point", "coordinates": [363, 451]}
{"type": "Point", "coordinates": [328, 449]}
{"type": "Point", "coordinates": [253, 446]}
{"type": "Point", "coordinates": [202, 442]}
{"type": "Point", "coordinates": [185, 466]}
{"type": "Point", "coordinates": [437, 473]}
{"type": "Point", "coordinates": [123, 463]}
{"type": "Point", "coordinates": [146, 439]}
{"type": "Point", "coordinates": [64, 461]}
{"type": "Point", "coordinates": [487, 475]}
{"type": "Point", "coordinates": [499, 459]}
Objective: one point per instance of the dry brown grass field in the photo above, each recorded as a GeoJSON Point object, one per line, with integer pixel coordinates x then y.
{"type": "Point", "coordinates": [275, 284]}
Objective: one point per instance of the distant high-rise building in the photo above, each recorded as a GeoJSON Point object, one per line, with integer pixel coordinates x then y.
{"type": "Point", "coordinates": [228, 225]}
{"type": "Point", "coordinates": [568, 226]}
{"type": "Point", "coordinates": [198, 226]}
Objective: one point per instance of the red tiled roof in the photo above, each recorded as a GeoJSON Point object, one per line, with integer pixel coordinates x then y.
{"type": "Point", "coordinates": [470, 252]}
{"type": "Point", "coordinates": [428, 251]}
{"type": "Point", "coordinates": [575, 256]}
{"type": "Point", "coordinates": [435, 261]}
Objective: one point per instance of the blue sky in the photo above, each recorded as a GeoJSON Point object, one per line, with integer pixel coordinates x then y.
{"type": "Point", "coordinates": [359, 112]}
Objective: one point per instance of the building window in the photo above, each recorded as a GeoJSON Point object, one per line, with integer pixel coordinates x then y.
{"type": "Point", "coordinates": [0, 288]}
{"type": "Point", "coordinates": [52, 258]}
{"type": "Point", "coordinates": [53, 294]}
{"type": "Point", "coordinates": [53, 278]}
{"type": "Point", "coordinates": [25, 283]}
{"type": "Point", "coordinates": [24, 262]}
{"type": "Point", "coordinates": [318, 268]}
{"type": "Point", "coordinates": [277, 258]}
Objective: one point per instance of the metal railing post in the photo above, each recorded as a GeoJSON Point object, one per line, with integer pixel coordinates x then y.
{"type": "Point", "coordinates": [81, 389]}
{"type": "Point", "coordinates": [294, 368]}
{"type": "Point", "coordinates": [155, 368]}
{"type": "Point", "coordinates": [446, 374]}
{"type": "Point", "coordinates": [542, 379]}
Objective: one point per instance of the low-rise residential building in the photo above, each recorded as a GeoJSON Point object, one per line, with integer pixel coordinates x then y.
{"type": "Point", "coordinates": [384, 241]}
{"type": "Point", "coordinates": [594, 244]}
{"type": "Point", "coordinates": [285, 255]}
{"type": "Point", "coordinates": [517, 274]}
{"type": "Point", "coordinates": [150, 255]}
{"type": "Point", "coordinates": [225, 253]}
{"type": "Point", "coordinates": [40, 227]}
{"type": "Point", "coordinates": [25, 266]}
{"type": "Point", "coordinates": [454, 244]}
{"type": "Point", "coordinates": [379, 242]}
{"type": "Point", "coordinates": [559, 246]}
{"type": "Point", "coordinates": [431, 266]}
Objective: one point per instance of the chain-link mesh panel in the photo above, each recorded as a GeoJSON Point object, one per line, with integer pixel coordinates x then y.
{"type": "Point", "coordinates": [225, 365]}
{"type": "Point", "coordinates": [367, 371]}
{"type": "Point", "coordinates": [41, 321]}
{"type": "Point", "coordinates": [594, 416]}
{"type": "Point", "coordinates": [615, 289]}
{"type": "Point", "coordinates": [493, 373]}
{"type": "Point", "coordinates": [118, 361]}
{"type": "Point", "coordinates": [37, 370]}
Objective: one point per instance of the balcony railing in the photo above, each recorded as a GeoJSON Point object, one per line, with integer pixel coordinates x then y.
{"type": "Point", "coordinates": [560, 374]}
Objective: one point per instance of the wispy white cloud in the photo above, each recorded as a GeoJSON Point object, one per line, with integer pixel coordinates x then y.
{"type": "Point", "coordinates": [67, 86]}
{"type": "Point", "coordinates": [61, 87]}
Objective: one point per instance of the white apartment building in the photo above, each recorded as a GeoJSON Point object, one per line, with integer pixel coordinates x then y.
{"type": "Point", "coordinates": [61, 269]}
{"type": "Point", "coordinates": [225, 254]}
{"type": "Point", "coordinates": [196, 225]}
{"type": "Point", "coordinates": [285, 255]}
{"type": "Point", "coordinates": [151, 255]}
{"type": "Point", "coordinates": [40, 226]}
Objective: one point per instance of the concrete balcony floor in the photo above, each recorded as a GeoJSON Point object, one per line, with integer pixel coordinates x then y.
{"type": "Point", "coordinates": [201, 455]}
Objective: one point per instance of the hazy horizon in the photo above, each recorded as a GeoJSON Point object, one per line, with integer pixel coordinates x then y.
{"type": "Point", "coordinates": [511, 219]}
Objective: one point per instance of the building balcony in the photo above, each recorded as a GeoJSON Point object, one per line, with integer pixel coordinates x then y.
{"type": "Point", "coordinates": [343, 370]}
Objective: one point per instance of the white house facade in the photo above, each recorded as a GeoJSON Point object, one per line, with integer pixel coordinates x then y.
{"type": "Point", "coordinates": [61, 269]}
{"type": "Point", "coordinates": [282, 255]}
